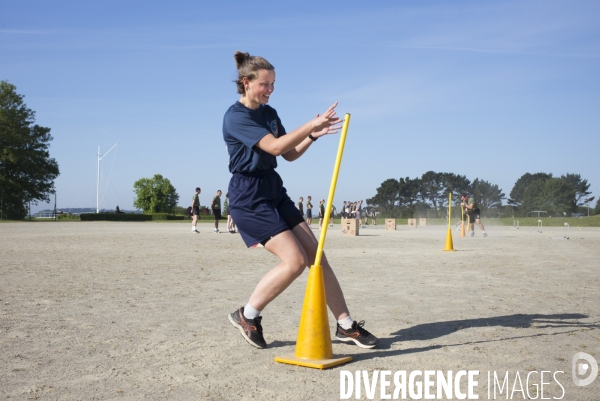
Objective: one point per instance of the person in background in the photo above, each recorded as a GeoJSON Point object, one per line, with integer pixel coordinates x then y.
{"type": "Point", "coordinates": [472, 214]}
{"type": "Point", "coordinates": [321, 212]}
{"type": "Point", "coordinates": [195, 209]}
{"type": "Point", "coordinates": [216, 208]}
{"type": "Point", "coordinates": [373, 216]}
{"type": "Point", "coordinates": [332, 215]}
{"type": "Point", "coordinates": [309, 207]}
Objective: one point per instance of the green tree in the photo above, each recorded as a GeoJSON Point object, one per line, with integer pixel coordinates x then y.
{"type": "Point", "coordinates": [517, 194]}
{"type": "Point", "coordinates": [408, 191]}
{"type": "Point", "coordinates": [581, 188]}
{"type": "Point", "coordinates": [456, 185]}
{"type": "Point", "coordinates": [27, 172]}
{"type": "Point", "coordinates": [433, 189]}
{"type": "Point", "coordinates": [487, 196]}
{"type": "Point", "coordinates": [387, 197]}
{"type": "Point", "coordinates": [554, 196]}
{"type": "Point", "coordinates": [155, 195]}
{"type": "Point", "coordinates": [597, 208]}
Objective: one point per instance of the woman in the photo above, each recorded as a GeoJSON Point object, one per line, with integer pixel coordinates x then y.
{"type": "Point", "coordinates": [260, 205]}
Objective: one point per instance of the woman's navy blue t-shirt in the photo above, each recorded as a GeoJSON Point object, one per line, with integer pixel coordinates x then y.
{"type": "Point", "coordinates": [243, 128]}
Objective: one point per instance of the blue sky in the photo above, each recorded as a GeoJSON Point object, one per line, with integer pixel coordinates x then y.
{"type": "Point", "coordinates": [490, 90]}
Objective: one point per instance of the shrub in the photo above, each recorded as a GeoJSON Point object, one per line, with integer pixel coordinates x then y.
{"type": "Point", "coordinates": [165, 216]}
{"type": "Point", "coordinates": [115, 217]}
{"type": "Point", "coordinates": [65, 216]}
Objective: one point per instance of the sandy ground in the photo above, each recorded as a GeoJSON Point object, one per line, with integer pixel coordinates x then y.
{"type": "Point", "coordinates": [138, 311]}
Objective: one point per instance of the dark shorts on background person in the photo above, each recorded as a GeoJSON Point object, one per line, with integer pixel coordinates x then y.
{"type": "Point", "coordinates": [196, 211]}
{"type": "Point", "coordinates": [474, 215]}
{"type": "Point", "coordinates": [309, 213]}
{"type": "Point", "coordinates": [217, 214]}
{"type": "Point", "coordinates": [260, 206]}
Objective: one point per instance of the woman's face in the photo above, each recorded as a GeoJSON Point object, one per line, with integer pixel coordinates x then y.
{"type": "Point", "coordinates": [259, 90]}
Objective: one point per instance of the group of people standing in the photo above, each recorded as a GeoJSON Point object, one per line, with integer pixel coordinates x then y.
{"type": "Point", "coordinates": [309, 213]}
{"type": "Point", "coordinates": [355, 210]}
{"type": "Point", "coordinates": [215, 207]}
{"type": "Point", "coordinates": [350, 210]}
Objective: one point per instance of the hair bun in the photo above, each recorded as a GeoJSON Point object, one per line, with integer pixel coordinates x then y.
{"type": "Point", "coordinates": [248, 67]}
{"type": "Point", "coordinates": [240, 58]}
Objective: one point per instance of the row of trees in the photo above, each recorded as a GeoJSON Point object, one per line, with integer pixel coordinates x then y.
{"type": "Point", "coordinates": [428, 195]}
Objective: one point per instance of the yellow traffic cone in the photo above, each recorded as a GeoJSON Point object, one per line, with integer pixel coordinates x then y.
{"type": "Point", "coordinates": [449, 247]}
{"type": "Point", "coordinates": [313, 346]}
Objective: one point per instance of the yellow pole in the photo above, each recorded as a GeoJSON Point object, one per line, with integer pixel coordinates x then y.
{"type": "Point", "coordinates": [313, 344]}
{"type": "Point", "coordinates": [462, 220]}
{"type": "Point", "coordinates": [334, 178]}
{"type": "Point", "coordinates": [449, 209]}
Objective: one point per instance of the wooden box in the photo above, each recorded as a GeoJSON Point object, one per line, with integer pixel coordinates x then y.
{"type": "Point", "coordinates": [350, 227]}
{"type": "Point", "coordinates": [422, 222]}
{"type": "Point", "coordinates": [412, 223]}
{"type": "Point", "coordinates": [390, 224]}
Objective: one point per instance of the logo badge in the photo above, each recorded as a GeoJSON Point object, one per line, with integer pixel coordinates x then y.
{"type": "Point", "coordinates": [580, 368]}
{"type": "Point", "coordinates": [274, 129]}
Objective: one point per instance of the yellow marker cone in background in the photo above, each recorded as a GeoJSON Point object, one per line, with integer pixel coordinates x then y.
{"type": "Point", "coordinates": [449, 246]}
{"type": "Point", "coordinates": [313, 345]}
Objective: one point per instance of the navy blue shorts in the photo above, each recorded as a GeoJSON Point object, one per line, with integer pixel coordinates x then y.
{"type": "Point", "coordinates": [309, 213]}
{"type": "Point", "coordinates": [260, 206]}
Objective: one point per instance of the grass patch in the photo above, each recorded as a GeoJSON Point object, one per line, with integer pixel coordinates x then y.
{"type": "Point", "coordinates": [592, 221]}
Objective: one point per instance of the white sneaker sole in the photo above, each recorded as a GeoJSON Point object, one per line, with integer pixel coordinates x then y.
{"type": "Point", "coordinates": [348, 339]}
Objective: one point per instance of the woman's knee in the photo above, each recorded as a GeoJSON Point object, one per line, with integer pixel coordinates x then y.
{"type": "Point", "coordinates": [297, 265]}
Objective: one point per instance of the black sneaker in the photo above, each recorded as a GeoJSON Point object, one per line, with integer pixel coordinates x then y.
{"type": "Point", "coordinates": [358, 334]}
{"type": "Point", "coordinates": [251, 329]}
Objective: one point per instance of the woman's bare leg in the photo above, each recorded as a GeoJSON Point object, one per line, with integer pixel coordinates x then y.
{"type": "Point", "coordinates": [333, 291]}
{"type": "Point", "coordinates": [293, 262]}
{"type": "Point", "coordinates": [292, 248]}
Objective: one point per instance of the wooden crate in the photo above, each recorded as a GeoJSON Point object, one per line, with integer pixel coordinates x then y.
{"type": "Point", "coordinates": [390, 224]}
{"type": "Point", "coordinates": [422, 222]}
{"type": "Point", "coordinates": [350, 227]}
{"type": "Point", "coordinates": [412, 223]}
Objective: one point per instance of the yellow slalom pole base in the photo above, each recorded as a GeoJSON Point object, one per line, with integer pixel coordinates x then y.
{"type": "Point", "coordinates": [313, 346]}
{"type": "Point", "coordinates": [449, 247]}
{"type": "Point", "coordinates": [462, 230]}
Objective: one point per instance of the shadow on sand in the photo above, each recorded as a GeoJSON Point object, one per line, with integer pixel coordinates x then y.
{"type": "Point", "coordinates": [431, 331]}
